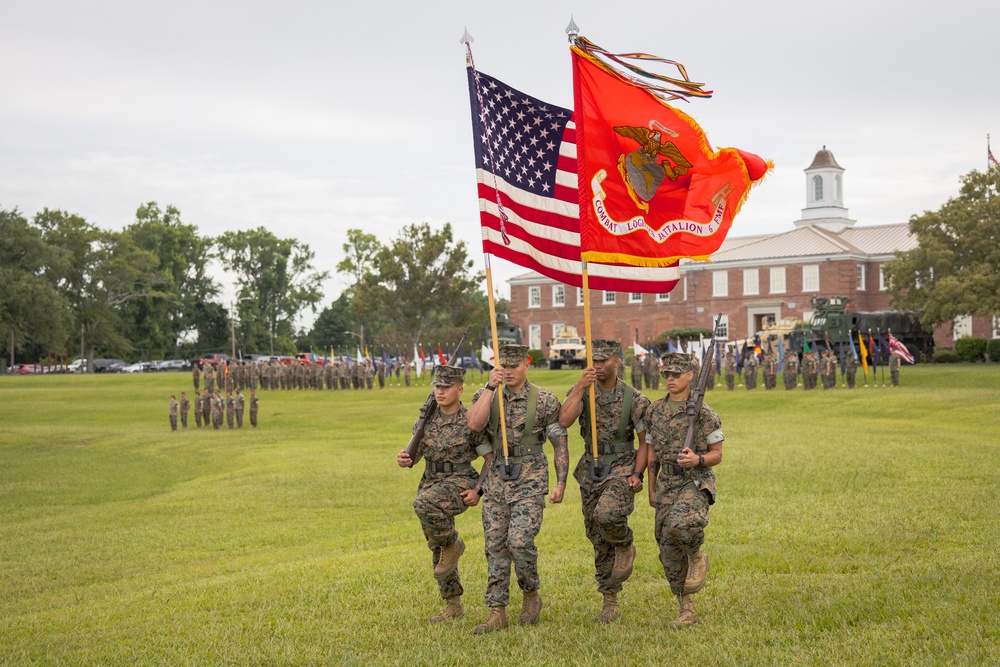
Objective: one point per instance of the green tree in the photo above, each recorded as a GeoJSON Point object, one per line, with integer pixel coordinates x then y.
{"type": "Point", "coordinates": [32, 310]}
{"type": "Point", "coordinates": [329, 328]}
{"type": "Point", "coordinates": [156, 324]}
{"type": "Point", "coordinates": [421, 284]}
{"type": "Point", "coordinates": [276, 281]}
{"type": "Point", "coordinates": [955, 268]}
{"type": "Point", "coordinates": [103, 271]}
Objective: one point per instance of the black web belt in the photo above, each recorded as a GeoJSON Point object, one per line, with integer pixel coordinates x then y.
{"type": "Point", "coordinates": [435, 467]}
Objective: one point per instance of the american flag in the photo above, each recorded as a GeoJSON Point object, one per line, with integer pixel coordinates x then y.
{"type": "Point", "coordinates": [900, 350]}
{"type": "Point", "coordinates": [989, 155]}
{"type": "Point", "coordinates": [528, 206]}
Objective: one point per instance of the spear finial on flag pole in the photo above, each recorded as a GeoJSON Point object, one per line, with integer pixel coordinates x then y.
{"type": "Point", "coordinates": [466, 37]}
{"type": "Point", "coordinates": [572, 30]}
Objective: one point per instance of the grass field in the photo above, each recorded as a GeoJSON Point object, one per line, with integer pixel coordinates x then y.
{"type": "Point", "coordinates": [852, 528]}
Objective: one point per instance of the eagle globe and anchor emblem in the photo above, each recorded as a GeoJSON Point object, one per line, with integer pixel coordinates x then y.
{"type": "Point", "coordinates": [642, 170]}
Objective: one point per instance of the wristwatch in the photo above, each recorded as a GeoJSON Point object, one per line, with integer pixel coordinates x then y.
{"type": "Point", "coordinates": [480, 492]}
{"type": "Point", "coordinates": [701, 460]}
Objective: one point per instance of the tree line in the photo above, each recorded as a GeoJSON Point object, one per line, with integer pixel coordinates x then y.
{"type": "Point", "coordinates": [71, 288]}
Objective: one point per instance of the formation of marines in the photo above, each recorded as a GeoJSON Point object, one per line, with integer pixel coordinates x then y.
{"type": "Point", "coordinates": [817, 369]}
{"type": "Point", "coordinates": [508, 424]}
{"type": "Point", "coordinates": [212, 409]}
{"type": "Point", "coordinates": [298, 374]}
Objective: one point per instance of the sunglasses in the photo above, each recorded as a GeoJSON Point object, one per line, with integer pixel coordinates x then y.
{"type": "Point", "coordinates": [672, 374]}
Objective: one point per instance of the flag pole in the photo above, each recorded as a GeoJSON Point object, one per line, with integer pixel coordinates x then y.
{"type": "Point", "coordinates": [496, 358]}
{"type": "Point", "coordinates": [596, 473]}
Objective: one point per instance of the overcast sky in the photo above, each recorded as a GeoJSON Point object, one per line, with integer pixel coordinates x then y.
{"type": "Point", "coordinates": [311, 118]}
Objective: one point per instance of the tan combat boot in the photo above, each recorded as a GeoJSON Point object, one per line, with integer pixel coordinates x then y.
{"type": "Point", "coordinates": [610, 611]}
{"type": "Point", "coordinates": [452, 610]}
{"type": "Point", "coordinates": [448, 559]}
{"type": "Point", "coordinates": [686, 616]}
{"type": "Point", "coordinates": [622, 567]}
{"type": "Point", "coordinates": [697, 571]}
{"type": "Point", "coordinates": [531, 608]}
{"type": "Point", "coordinates": [496, 621]}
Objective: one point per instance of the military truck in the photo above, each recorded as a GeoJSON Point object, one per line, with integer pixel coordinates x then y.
{"type": "Point", "coordinates": [567, 349]}
{"type": "Point", "coordinates": [832, 319]}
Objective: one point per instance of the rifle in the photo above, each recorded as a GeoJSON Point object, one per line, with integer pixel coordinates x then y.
{"type": "Point", "coordinates": [429, 408]}
{"type": "Point", "coordinates": [697, 397]}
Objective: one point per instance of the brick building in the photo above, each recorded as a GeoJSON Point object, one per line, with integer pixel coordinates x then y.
{"type": "Point", "coordinates": [751, 280]}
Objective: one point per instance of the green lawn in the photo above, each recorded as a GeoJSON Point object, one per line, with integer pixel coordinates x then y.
{"type": "Point", "coordinates": [852, 528]}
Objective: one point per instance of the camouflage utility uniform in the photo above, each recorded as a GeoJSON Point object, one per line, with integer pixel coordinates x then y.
{"type": "Point", "coordinates": [512, 510]}
{"type": "Point", "coordinates": [790, 372]}
{"type": "Point", "coordinates": [448, 447]}
{"type": "Point", "coordinates": [894, 369]}
{"type": "Point", "coordinates": [682, 495]}
{"type": "Point", "coordinates": [607, 504]}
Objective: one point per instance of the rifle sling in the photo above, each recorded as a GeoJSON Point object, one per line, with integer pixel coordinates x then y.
{"type": "Point", "coordinates": [530, 443]}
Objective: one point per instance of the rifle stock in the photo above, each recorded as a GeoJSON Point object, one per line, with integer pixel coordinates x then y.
{"type": "Point", "coordinates": [428, 409]}
{"type": "Point", "coordinates": [697, 397]}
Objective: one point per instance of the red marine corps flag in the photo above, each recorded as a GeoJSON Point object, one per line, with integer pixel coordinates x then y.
{"type": "Point", "coordinates": [652, 190]}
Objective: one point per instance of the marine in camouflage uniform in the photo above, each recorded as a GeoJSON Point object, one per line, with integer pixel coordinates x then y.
{"type": "Point", "coordinates": [196, 375]}
{"type": "Point", "coordinates": [851, 370]}
{"type": "Point", "coordinates": [230, 409]}
{"type": "Point", "coordinates": [173, 413]}
{"type": "Point", "coordinates": [185, 406]}
{"type": "Point", "coordinates": [206, 409]}
{"type": "Point", "coordinates": [685, 482]}
{"type": "Point", "coordinates": [750, 372]}
{"type": "Point", "coordinates": [512, 508]}
{"type": "Point", "coordinates": [730, 366]}
{"type": "Point", "coordinates": [894, 369]}
{"type": "Point", "coordinates": [770, 371]}
{"type": "Point", "coordinates": [210, 379]}
{"type": "Point", "coordinates": [254, 407]}
{"type": "Point", "coordinates": [790, 372]}
{"type": "Point", "coordinates": [636, 371]}
{"type": "Point", "coordinates": [240, 403]}
{"type": "Point", "coordinates": [217, 408]}
{"type": "Point", "coordinates": [607, 503]}
{"type": "Point", "coordinates": [449, 484]}
{"type": "Point", "coordinates": [198, 410]}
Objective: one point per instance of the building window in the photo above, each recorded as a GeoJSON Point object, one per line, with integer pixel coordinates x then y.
{"type": "Point", "coordinates": [558, 296]}
{"type": "Point", "coordinates": [535, 336]}
{"type": "Point", "coordinates": [861, 277]}
{"type": "Point", "coordinates": [817, 188]}
{"type": "Point", "coordinates": [579, 296]}
{"type": "Point", "coordinates": [778, 280]}
{"type": "Point", "coordinates": [535, 297]}
{"type": "Point", "coordinates": [807, 316]}
{"type": "Point", "coordinates": [962, 327]}
{"type": "Point", "coordinates": [635, 297]}
{"type": "Point", "coordinates": [663, 297]}
{"type": "Point", "coordinates": [609, 298]}
{"type": "Point", "coordinates": [751, 281]}
{"type": "Point", "coordinates": [720, 283]}
{"type": "Point", "coordinates": [810, 278]}
{"type": "Point", "coordinates": [556, 328]}
{"type": "Point", "coordinates": [883, 284]}
{"type": "Point", "coordinates": [722, 332]}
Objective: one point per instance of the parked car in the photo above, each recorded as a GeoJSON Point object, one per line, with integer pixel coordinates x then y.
{"type": "Point", "coordinates": [108, 365]}
{"type": "Point", "coordinates": [173, 365]}
{"type": "Point", "coordinates": [77, 366]}
{"type": "Point", "coordinates": [138, 367]}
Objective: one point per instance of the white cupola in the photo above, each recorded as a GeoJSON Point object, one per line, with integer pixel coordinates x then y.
{"type": "Point", "coordinates": [825, 194]}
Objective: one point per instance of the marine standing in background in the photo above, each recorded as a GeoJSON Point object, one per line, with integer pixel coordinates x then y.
{"type": "Point", "coordinates": [173, 413]}
{"type": "Point", "coordinates": [240, 401]}
{"type": "Point", "coordinates": [730, 366]}
{"type": "Point", "coordinates": [381, 376]}
{"type": "Point", "coordinates": [254, 406]}
{"type": "Point", "coordinates": [685, 484]}
{"type": "Point", "coordinates": [210, 379]}
{"type": "Point", "coordinates": [185, 406]}
{"type": "Point", "coordinates": [894, 369]}
{"type": "Point", "coordinates": [406, 374]}
{"type": "Point", "coordinates": [197, 409]}
{"type": "Point", "coordinates": [770, 371]}
{"type": "Point", "coordinates": [851, 370]}
{"type": "Point", "coordinates": [750, 372]}
{"type": "Point", "coordinates": [449, 485]}
{"type": "Point", "coordinates": [217, 407]}
{"type": "Point", "coordinates": [649, 367]}
{"type": "Point", "coordinates": [607, 503]}
{"type": "Point", "coordinates": [369, 374]}
{"type": "Point", "coordinates": [515, 494]}
{"type": "Point", "coordinates": [635, 370]}
{"type": "Point", "coordinates": [230, 409]}
{"type": "Point", "coordinates": [206, 408]}
{"type": "Point", "coordinates": [196, 375]}
{"type": "Point", "coordinates": [790, 372]}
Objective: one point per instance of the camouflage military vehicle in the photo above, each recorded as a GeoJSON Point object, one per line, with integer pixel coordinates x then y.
{"type": "Point", "coordinates": [567, 349]}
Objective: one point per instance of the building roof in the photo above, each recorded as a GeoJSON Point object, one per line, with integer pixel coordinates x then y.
{"type": "Point", "coordinates": [824, 158]}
